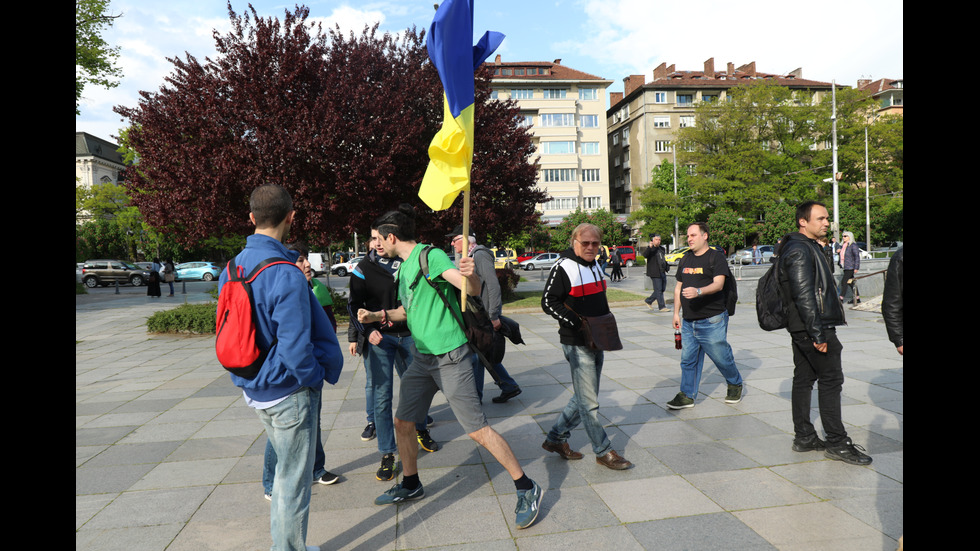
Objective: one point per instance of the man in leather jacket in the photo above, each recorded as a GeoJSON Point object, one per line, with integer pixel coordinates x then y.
{"type": "Point", "coordinates": [814, 310]}
{"type": "Point", "coordinates": [892, 303]}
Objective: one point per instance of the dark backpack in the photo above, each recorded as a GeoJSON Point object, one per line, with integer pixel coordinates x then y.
{"type": "Point", "coordinates": [731, 292]}
{"type": "Point", "coordinates": [769, 306]}
{"type": "Point", "coordinates": [235, 343]}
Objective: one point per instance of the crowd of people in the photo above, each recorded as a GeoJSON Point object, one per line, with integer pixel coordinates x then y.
{"type": "Point", "coordinates": [401, 322]}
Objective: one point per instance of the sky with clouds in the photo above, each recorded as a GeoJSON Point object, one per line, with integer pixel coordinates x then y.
{"type": "Point", "coordinates": [840, 40]}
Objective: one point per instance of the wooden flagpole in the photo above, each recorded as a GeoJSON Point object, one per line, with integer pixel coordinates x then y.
{"type": "Point", "coordinates": [466, 242]}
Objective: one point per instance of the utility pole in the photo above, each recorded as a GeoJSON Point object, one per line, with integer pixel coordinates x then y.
{"type": "Point", "coordinates": [677, 231]}
{"type": "Point", "coordinates": [833, 120]}
{"type": "Point", "coordinates": [867, 193]}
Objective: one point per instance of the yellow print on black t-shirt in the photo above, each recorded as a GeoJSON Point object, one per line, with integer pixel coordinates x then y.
{"type": "Point", "coordinates": [692, 271]}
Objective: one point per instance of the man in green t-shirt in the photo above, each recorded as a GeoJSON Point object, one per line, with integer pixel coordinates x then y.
{"type": "Point", "coordinates": [441, 360]}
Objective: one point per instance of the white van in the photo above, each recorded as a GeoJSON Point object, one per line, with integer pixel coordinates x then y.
{"type": "Point", "coordinates": [319, 263]}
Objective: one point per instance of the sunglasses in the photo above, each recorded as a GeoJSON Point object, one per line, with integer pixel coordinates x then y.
{"type": "Point", "coordinates": [589, 243]}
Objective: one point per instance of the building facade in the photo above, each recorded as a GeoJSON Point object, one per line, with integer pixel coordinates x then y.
{"type": "Point", "coordinates": [96, 162]}
{"type": "Point", "coordinates": [565, 111]}
{"type": "Point", "coordinates": [643, 119]}
{"type": "Point", "coordinates": [888, 92]}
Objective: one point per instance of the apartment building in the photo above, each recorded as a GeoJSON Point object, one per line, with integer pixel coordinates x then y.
{"type": "Point", "coordinates": [643, 118]}
{"type": "Point", "coordinates": [565, 110]}
{"type": "Point", "coordinates": [889, 92]}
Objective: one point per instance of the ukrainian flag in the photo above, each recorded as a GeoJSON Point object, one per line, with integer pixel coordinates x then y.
{"type": "Point", "coordinates": [451, 152]}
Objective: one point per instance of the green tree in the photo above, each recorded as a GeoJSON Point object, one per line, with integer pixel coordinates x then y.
{"type": "Point", "coordinates": [726, 230]}
{"type": "Point", "coordinates": [613, 232]}
{"type": "Point", "coordinates": [94, 59]}
{"type": "Point", "coordinates": [659, 205]}
{"type": "Point", "coordinates": [778, 221]}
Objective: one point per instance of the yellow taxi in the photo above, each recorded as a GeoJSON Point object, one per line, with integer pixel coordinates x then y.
{"type": "Point", "coordinates": [503, 258]}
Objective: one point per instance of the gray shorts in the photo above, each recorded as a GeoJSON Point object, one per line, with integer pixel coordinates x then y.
{"type": "Point", "coordinates": [452, 373]}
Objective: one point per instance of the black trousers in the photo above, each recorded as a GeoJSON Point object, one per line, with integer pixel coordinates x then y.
{"type": "Point", "coordinates": [826, 370]}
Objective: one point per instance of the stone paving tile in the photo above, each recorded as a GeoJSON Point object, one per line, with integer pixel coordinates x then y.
{"type": "Point", "coordinates": [169, 458]}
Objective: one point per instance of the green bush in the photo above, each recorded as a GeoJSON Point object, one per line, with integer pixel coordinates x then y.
{"type": "Point", "coordinates": [508, 280]}
{"type": "Point", "coordinates": [186, 318]}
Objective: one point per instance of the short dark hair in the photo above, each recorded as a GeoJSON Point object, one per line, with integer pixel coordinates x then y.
{"type": "Point", "coordinates": [701, 226]}
{"type": "Point", "coordinates": [400, 222]}
{"type": "Point", "coordinates": [299, 246]}
{"type": "Point", "coordinates": [803, 210]}
{"type": "Point", "coordinates": [270, 204]}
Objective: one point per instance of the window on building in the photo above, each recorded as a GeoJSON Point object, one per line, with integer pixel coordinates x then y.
{"type": "Point", "coordinates": [493, 94]}
{"type": "Point", "coordinates": [592, 202]}
{"type": "Point", "coordinates": [561, 203]}
{"type": "Point", "coordinates": [590, 175]}
{"type": "Point", "coordinates": [526, 120]}
{"type": "Point", "coordinates": [558, 119]}
{"type": "Point", "coordinates": [661, 121]}
{"type": "Point", "coordinates": [589, 121]}
{"type": "Point", "coordinates": [660, 97]}
{"type": "Point", "coordinates": [687, 121]}
{"type": "Point", "coordinates": [616, 138]}
{"type": "Point", "coordinates": [685, 100]}
{"type": "Point", "coordinates": [588, 94]}
{"type": "Point", "coordinates": [554, 93]}
{"type": "Point", "coordinates": [521, 93]}
{"type": "Point", "coordinates": [557, 148]}
{"type": "Point", "coordinates": [662, 146]}
{"type": "Point", "coordinates": [559, 175]}
{"type": "Point", "coordinates": [519, 72]}
{"type": "Point", "coordinates": [590, 148]}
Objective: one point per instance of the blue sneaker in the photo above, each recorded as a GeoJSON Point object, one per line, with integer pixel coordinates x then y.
{"type": "Point", "coordinates": [397, 494]}
{"type": "Point", "coordinates": [528, 505]}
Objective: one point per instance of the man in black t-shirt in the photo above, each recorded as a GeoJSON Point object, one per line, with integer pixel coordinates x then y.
{"type": "Point", "coordinates": [700, 292]}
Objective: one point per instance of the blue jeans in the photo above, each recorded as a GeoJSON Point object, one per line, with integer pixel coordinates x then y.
{"type": "Point", "coordinates": [586, 366]}
{"type": "Point", "coordinates": [392, 352]}
{"type": "Point", "coordinates": [269, 465]}
{"type": "Point", "coordinates": [506, 384]}
{"type": "Point", "coordinates": [706, 336]}
{"type": "Point", "coordinates": [291, 426]}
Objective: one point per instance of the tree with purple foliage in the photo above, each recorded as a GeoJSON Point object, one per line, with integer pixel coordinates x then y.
{"type": "Point", "coordinates": [342, 122]}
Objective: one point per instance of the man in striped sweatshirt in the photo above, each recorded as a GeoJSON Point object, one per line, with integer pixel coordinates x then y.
{"type": "Point", "coordinates": [576, 288]}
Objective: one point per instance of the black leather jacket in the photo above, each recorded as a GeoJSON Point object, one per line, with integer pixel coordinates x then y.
{"type": "Point", "coordinates": [808, 283]}
{"type": "Point", "coordinates": [892, 303]}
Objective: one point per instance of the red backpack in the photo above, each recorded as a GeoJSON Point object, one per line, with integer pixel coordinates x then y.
{"type": "Point", "coordinates": [235, 342]}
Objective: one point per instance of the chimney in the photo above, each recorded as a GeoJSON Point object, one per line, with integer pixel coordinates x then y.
{"type": "Point", "coordinates": [862, 82]}
{"type": "Point", "coordinates": [631, 83]}
{"type": "Point", "coordinates": [748, 68]}
{"type": "Point", "coordinates": [497, 61]}
{"type": "Point", "coordinates": [796, 73]}
{"type": "Point", "coordinates": [731, 70]}
{"type": "Point", "coordinates": [614, 98]}
{"type": "Point", "coordinates": [709, 68]}
{"type": "Point", "coordinates": [558, 61]}
{"type": "Point", "coordinates": [660, 72]}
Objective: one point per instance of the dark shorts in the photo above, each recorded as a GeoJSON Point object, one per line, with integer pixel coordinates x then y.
{"type": "Point", "coordinates": [452, 373]}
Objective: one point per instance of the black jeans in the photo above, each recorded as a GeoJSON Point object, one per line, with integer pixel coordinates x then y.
{"type": "Point", "coordinates": [826, 370]}
{"type": "Point", "coordinates": [658, 292]}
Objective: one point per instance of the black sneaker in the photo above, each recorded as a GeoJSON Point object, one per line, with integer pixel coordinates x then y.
{"type": "Point", "coordinates": [327, 478]}
{"type": "Point", "coordinates": [426, 441]}
{"type": "Point", "coordinates": [369, 433]}
{"type": "Point", "coordinates": [681, 401]}
{"type": "Point", "coordinates": [848, 452]}
{"type": "Point", "coordinates": [388, 468]}
{"type": "Point", "coordinates": [809, 443]}
{"type": "Point", "coordinates": [504, 396]}
{"type": "Point", "coordinates": [734, 395]}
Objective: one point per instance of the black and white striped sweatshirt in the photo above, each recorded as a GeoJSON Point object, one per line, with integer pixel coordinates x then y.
{"type": "Point", "coordinates": [574, 284]}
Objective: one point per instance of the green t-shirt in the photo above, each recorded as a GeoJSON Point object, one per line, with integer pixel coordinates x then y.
{"type": "Point", "coordinates": [433, 327]}
{"type": "Point", "coordinates": [322, 293]}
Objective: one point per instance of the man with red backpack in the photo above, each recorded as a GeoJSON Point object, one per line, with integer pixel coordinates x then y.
{"type": "Point", "coordinates": [301, 352]}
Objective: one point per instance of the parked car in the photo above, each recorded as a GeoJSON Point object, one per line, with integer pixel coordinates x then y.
{"type": "Point", "coordinates": [319, 263]}
{"type": "Point", "coordinates": [543, 261]}
{"type": "Point", "coordinates": [345, 268]}
{"type": "Point", "coordinates": [504, 258]}
{"type": "Point", "coordinates": [524, 256]}
{"type": "Point", "coordinates": [675, 256]}
{"type": "Point", "coordinates": [108, 271]}
{"type": "Point", "coordinates": [744, 256]}
{"type": "Point", "coordinates": [205, 271]}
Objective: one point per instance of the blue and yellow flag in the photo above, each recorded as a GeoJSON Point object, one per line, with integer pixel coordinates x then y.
{"type": "Point", "coordinates": [451, 152]}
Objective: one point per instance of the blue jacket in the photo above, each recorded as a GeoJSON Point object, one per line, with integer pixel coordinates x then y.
{"type": "Point", "coordinates": [306, 352]}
